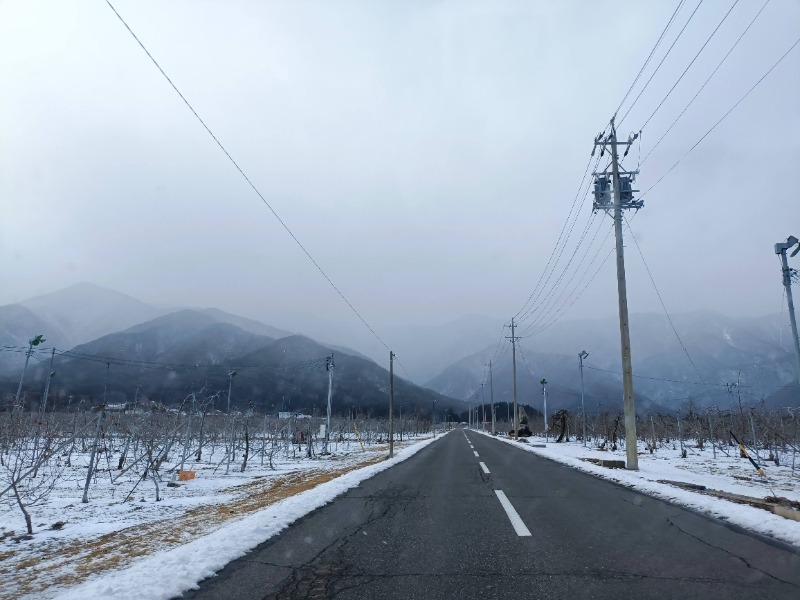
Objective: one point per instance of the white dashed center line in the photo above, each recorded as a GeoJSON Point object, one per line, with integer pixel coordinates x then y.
{"type": "Point", "coordinates": [475, 453]}
{"type": "Point", "coordinates": [484, 467]}
{"type": "Point", "coordinates": [513, 516]}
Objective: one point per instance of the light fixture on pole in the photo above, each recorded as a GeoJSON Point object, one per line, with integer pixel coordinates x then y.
{"type": "Point", "coordinates": [581, 355]}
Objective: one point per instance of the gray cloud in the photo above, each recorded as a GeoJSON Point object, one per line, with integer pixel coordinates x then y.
{"type": "Point", "coordinates": [426, 153]}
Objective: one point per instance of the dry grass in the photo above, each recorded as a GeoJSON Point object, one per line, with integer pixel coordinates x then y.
{"type": "Point", "coordinates": [69, 562]}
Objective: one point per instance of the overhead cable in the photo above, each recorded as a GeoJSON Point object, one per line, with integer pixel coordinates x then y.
{"type": "Point", "coordinates": [689, 66]}
{"type": "Point", "coordinates": [705, 83]}
{"type": "Point", "coordinates": [722, 118]}
{"type": "Point", "coordinates": [663, 306]}
{"type": "Point", "coordinates": [650, 56]}
{"type": "Point", "coordinates": [250, 183]}
{"type": "Point", "coordinates": [680, 33]}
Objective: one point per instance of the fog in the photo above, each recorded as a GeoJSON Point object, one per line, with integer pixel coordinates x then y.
{"type": "Point", "coordinates": [426, 154]}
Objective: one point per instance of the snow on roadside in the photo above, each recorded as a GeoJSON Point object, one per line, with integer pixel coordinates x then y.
{"type": "Point", "coordinates": [730, 474]}
{"type": "Point", "coordinates": [168, 573]}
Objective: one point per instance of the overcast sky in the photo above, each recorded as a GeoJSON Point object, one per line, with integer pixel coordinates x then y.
{"type": "Point", "coordinates": [425, 153]}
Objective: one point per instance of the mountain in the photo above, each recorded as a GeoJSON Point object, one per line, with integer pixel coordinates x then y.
{"type": "Point", "coordinates": [84, 312]}
{"type": "Point", "coordinates": [18, 325]}
{"type": "Point", "coordinates": [170, 357]}
{"type": "Point", "coordinates": [428, 350]}
{"type": "Point", "coordinates": [276, 380]}
{"type": "Point", "coordinates": [754, 351]}
{"type": "Point", "coordinates": [245, 323]}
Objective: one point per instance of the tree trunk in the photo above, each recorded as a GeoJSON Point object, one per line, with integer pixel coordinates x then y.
{"type": "Point", "coordinates": [22, 508]}
{"type": "Point", "coordinates": [246, 444]}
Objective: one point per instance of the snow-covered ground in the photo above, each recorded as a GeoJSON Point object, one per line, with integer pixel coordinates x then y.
{"type": "Point", "coordinates": [725, 473]}
{"type": "Point", "coordinates": [143, 549]}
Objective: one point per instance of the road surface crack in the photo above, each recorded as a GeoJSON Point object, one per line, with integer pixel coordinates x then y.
{"type": "Point", "coordinates": [728, 552]}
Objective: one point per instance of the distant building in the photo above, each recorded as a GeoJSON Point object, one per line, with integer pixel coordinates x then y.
{"type": "Point", "coordinates": [292, 415]}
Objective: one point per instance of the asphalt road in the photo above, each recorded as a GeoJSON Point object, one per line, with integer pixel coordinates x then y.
{"type": "Point", "coordinates": [435, 527]}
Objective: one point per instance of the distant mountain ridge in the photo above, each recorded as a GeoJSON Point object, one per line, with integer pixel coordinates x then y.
{"type": "Point", "coordinates": [86, 311]}
{"type": "Point", "coordinates": [188, 351]}
{"type": "Point", "coordinates": [722, 348]}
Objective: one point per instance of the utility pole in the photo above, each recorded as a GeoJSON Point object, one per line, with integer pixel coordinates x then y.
{"type": "Point", "coordinates": [391, 404]}
{"type": "Point", "coordinates": [544, 400]}
{"type": "Point", "coordinates": [491, 397]}
{"type": "Point", "coordinates": [329, 367]}
{"type": "Point", "coordinates": [581, 355]}
{"type": "Point", "coordinates": [483, 407]}
{"type": "Point", "coordinates": [781, 249]}
{"type": "Point", "coordinates": [433, 417]}
{"type": "Point", "coordinates": [100, 417]}
{"type": "Point", "coordinates": [50, 375]}
{"type": "Point", "coordinates": [623, 199]}
{"type": "Point", "coordinates": [514, 339]}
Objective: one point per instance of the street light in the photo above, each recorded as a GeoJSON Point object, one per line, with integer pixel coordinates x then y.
{"type": "Point", "coordinates": [39, 339]}
{"type": "Point", "coordinates": [581, 355]}
{"type": "Point", "coordinates": [544, 399]}
{"type": "Point", "coordinates": [231, 375]}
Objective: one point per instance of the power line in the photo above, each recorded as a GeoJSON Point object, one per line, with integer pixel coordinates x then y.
{"type": "Point", "coordinates": [41, 354]}
{"type": "Point", "coordinates": [575, 297]}
{"type": "Point", "coordinates": [730, 110]}
{"type": "Point", "coordinates": [560, 235]}
{"type": "Point", "coordinates": [663, 306]}
{"type": "Point", "coordinates": [250, 183]}
{"type": "Point", "coordinates": [585, 366]}
{"type": "Point", "coordinates": [689, 20]}
{"type": "Point", "coordinates": [537, 326]}
{"type": "Point", "coordinates": [689, 66]}
{"type": "Point", "coordinates": [705, 83]}
{"type": "Point", "coordinates": [574, 293]}
{"type": "Point", "coordinates": [551, 299]}
{"type": "Point", "coordinates": [549, 293]}
{"type": "Point", "coordinates": [650, 56]}
{"type": "Point", "coordinates": [533, 299]}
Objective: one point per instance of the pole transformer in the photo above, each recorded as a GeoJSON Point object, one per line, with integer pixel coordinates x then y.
{"type": "Point", "coordinates": [781, 249]}
{"type": "Point", "coordinates": [620, 184]}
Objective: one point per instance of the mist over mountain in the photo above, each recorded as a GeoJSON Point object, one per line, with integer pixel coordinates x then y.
{"type": "Point", "coordinates": [85, 311]}
{"type": "Point", "coordinates": [754, 351]}
{"type": "Point", "coordinates": [168, 358]}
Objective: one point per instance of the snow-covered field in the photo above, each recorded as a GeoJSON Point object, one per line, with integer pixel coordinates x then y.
{"type": "Point", "coordinates": [730, 474]}
{"type": "Point", "coordinates": [110, 548]}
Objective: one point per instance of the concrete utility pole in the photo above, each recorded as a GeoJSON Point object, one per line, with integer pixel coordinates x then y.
{"type": "Point", "coordinates": [581, 355]}
{"type": "Point", "coordinates": [623, 199]}
{"type": "Point", "coordinates": [433, 417]}
{"type": "Point", "coordinates": [781, 249]}
{"type": "Point", "coordinates": [491, 397]}
{"type": "Point", "coordinates": [329, 366]}
{"type": "Point", "coordinates": [50, 375]}
{"type": "Point", "coordinates": [100, 417]}
{"type": "Point", "coordinates": [391, 404]}
{"type": "Point", "coordinates": [483, 407]}
{"type": "Point", "coordinates": [514, 339]}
